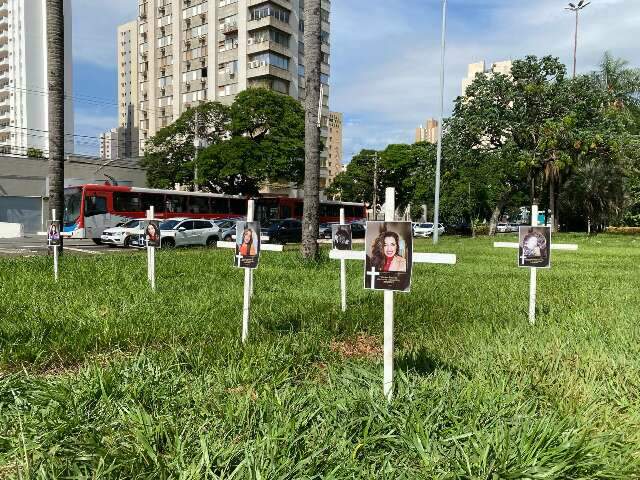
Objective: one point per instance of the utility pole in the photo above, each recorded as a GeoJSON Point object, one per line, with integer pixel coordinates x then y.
{"type": "Point", "coordinates": [576, 8]}
{"type": "Point", "coordinates": [196, 143]}
{"type": "Point", "coordinates": [436, 207]}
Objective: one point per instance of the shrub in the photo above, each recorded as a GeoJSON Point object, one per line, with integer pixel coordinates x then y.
{"type": "Point", "coordinates": [623, 230]}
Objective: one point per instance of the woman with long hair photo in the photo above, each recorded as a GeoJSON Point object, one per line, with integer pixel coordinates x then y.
{"type": "Point", "coordinates": [247, 248]}
{"type": "Point", "coordinates": [385, 253]}
{"type": "Point", "coordinates": [152, 233]}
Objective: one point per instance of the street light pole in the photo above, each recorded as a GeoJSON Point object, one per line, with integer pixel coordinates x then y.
{"type": "Point", "coordinates": [436, 206]}
{"type": "Point", "coordinates": [576, 8]}
{"type": "Point", "coordinates": [375, 186]}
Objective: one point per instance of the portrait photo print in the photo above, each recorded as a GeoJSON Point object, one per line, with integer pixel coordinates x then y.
{"type": "Point", "coordinates": [389, 251]}
{"type": "Point", "coordinates": [247, 244]}
{"type": "Point", "coordinates": [152, 233]}
{"type": "Point", "coordinates": [534, 247]}
{"type": "Point", "coordinates": [53, 233]}
{"type": "Point", "coordinates": [341, 236]}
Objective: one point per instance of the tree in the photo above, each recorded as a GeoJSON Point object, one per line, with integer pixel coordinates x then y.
{"type": "Point", "coordinates": [260, 137]}
{"type": "Point", "coordinates": [34, 153]}
{"type": "Point", "coordinates": [169, 155]}
{"type": "Point", "coordinates": [55, 81]}
{"type": "Point", "coordinates": [623, 83]}
{"type": "Point", "coordinates": [356, 183]}
{"type": "Point", "coordinates": [312, 57]}
{"type": "Point", "coordinates": [266, 142]}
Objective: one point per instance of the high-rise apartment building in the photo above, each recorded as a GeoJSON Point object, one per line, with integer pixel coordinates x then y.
{"type": "Point", "coordinates": [24, 109]}
{"type": "Point", "coordinates": [196, 50]}
{"type": "Point", "coordinates": [334, 146]}
{"type": "Point", "coordinates": [473, 69]}
{"type": "Point", "coordinates": [428, 132]}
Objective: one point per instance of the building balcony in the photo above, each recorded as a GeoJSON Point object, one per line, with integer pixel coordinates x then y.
{"type": "Point", "coordinates": [227, 78]}
{"type": "Point", "coordinates": [4, 39]}
{"type": "Point", "coordinates": [262, 69]}
{"type": "Point", "coordinates": [4, 109]}
{"type": "Point", "coordinates": [5, 136]}
{"type": "Point", "coordinates": [4, 24]}
{"type": "Point", "coordinates": [4, 81]}
{"type": "Point", "coordinates": [4, 95]}
{"type": "Point", "coordinates": [4, 53]}
{"type": "Point", "coordinates": [257, 47]}
{"type": "Point", "coordinates": [286, 4]}
{"type": "Point", "coordinates": [229, 28]}
{"type": "Point", "coordinates": [228, 55]}
{"type": "Point", "coordinates": [269, 21]}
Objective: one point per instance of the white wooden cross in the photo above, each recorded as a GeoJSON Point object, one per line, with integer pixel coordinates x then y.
{"type": "Point", "coordinates": [248, 273]}
{"type": "Point", "coordinates": [55, 247]}
{"type": "Point", "coordinates": [439, 258]}
{"type": "Point", "coordinates": [533, 276]}
{"type": "Point", "coordinates": [151, 253]}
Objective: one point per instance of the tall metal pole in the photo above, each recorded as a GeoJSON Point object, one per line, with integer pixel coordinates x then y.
{"type": "Point", "coordinates": [436, 210]}
{"type": "Point", "coordinates": [575, 46]}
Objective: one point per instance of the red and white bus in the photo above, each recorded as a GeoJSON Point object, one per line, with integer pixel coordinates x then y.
{"type": "Point", "coordinates": [90, 208]}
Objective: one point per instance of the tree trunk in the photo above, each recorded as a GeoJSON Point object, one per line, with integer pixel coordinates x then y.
{"type": "Point", "coordinates": [494, 219]}
{"type": "Point", "coordinates": [588, 225]}
{"type": "Point", "coordinates": [312, 59]}
{"type": "Point", "coordinates": [55, 84]}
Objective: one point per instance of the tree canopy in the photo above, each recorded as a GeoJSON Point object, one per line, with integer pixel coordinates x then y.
{"type": "Point", "coordinates": [259, 137]}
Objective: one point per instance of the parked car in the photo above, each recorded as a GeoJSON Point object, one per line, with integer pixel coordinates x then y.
{"type": "Point", "coordinates": [514, 227]}
{"type": "Point", "coordinates": [179, 232]}
{"type": "Point", "coordinates": [502, 228]}
{"type": "Point", "coordinates": [426, 230]}
{"type": "Point", "coordinates": [324, 230]}
{"type": "Point", "coordinates": [283, 231]}
{"type": "Point", "coordinates": [121, 236]}
{"type": "Point", "coordinates": [461, 228]}
{"type": "Point", "coordinates": [228, 231]}
{"type": "Point", "coordinates": [358, 230]}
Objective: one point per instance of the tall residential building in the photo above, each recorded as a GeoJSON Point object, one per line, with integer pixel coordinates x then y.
{"type": "Point", "coordinates": [334, 145]}
{"type": "Point", "coordinates": [473, 69]}
{"type": "Point", "coordinates": [128, 89]}
{"type": "Point", "coordinates": [428, 132]}
{"type": "Point", "coordinates": [24, 108]}
{"type": "Point", "coordinates": [196, 50]}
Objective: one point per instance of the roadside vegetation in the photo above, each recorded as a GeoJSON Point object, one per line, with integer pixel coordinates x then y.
{"type": "Point", "coordinates": [101, 378]}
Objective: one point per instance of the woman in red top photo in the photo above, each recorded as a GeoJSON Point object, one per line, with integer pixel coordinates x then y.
{"type": "Point", "coordinates": [385, 254]}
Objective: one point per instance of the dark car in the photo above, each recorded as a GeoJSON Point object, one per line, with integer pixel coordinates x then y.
{"type": "Point", "coordinates": [461, 228]}
{"type": "Point", "coordinates": [358, 230]}
{"type": "Point", "coordinates": [288, 230]}
{"type": "Point", "coordinates": [325, 231]}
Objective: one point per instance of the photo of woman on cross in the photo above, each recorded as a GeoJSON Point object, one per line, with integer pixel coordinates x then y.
{"type": "Point", "coordinates": [247, 244]}
{"type": "Point", "coordinates": [388, 262]}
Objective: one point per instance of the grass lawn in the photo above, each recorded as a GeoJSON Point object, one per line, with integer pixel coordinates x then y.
{"type": "Point", "coordinates": [102, 378]}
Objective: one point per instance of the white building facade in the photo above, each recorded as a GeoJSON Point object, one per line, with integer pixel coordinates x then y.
{"type": "Point", "coordinates": [24, 106]}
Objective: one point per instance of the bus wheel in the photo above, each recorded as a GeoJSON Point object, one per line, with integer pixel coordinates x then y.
{"type": "Point", "coordinates": [97, 241]}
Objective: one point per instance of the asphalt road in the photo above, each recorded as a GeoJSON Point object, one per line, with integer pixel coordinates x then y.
{"type": "Point", "coordinates": [37, 245]}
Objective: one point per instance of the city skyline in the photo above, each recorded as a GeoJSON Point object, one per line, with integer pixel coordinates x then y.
{"type": "Point", "coordinates": [387, 88]}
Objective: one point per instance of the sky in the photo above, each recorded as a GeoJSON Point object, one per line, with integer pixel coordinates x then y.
{"type": "Point", "coordinates": [385, 56]}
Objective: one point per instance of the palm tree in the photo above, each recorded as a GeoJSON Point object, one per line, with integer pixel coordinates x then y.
{"type": "Point", "coordinates": [312, 59]}
{"type": "Point", "coordinates": [55, 81]}
{"type": "Point", "coordinates": [622, 82]}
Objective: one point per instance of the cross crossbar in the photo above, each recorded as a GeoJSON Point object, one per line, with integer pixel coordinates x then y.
{"type": "Point", "coordinates": [264, 246]}
{"type": "Point", "coordinates": [554, 246]}
{"type": "Point", "coordinates": [442, 258]}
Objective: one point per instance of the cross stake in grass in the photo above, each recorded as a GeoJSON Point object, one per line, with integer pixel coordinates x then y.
{"type": "Point", "coordinates": [248, 274]}
{"type": "Point", "coordinates": [439, 258]}
{"type": "Point", "coordinates": [533, 277]}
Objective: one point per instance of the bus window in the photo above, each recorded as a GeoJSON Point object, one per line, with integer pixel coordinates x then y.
{"type": "Point", "coordinates": [72, 202]}
{"type": "Point", "coordinates": [219, 206]}
{"type": "Point", "coordinates": [127, 202]}
{"type": "Point", "coordinates": [237, 206]}
{"type": "Point", "coordinates": [175, 204]}
{"type": "Point", "coordinates": [95, 206]}
{"type": "Point", "coordinates": [154, 200]}
{"type": "Point", "coordinates": [299, 209]}
{"type": "Point", "coordinates": [198, 204]}
{"type": "Point", "coordinates": [286, 211]}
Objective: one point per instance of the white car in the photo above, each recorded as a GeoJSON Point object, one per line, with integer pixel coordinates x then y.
{"type": "Point", "coordinates": [503, 228]}
{"type": "Point", "coordinates": [123, 235]}
{"type": "Point", "coordinates": [181, 232]}
{"type": "Point", "coordinates": [426, 230]}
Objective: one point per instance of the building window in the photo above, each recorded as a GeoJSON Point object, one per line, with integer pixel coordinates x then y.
{"type": "Point", "coordinates": [270, 58]}
{"type": "Point", "coordinates": [269, 11]}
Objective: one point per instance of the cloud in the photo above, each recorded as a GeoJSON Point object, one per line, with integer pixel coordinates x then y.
{"type": "Point", "coordinates": [386, 59]}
